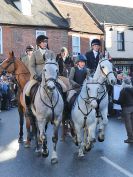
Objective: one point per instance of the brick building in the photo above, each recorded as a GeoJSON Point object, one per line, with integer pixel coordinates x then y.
{"type": "Point", "coordinates": [21, 23]}
{"type": "Point", "coordinates": [82, 26]}
{"type": "Point", "coordinates": [65, 23]}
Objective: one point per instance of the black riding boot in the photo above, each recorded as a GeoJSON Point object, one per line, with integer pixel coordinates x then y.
{"type": "Point", "coordinates": [66, 113]}
{"type": "Point", "coordinates": [28, 111]}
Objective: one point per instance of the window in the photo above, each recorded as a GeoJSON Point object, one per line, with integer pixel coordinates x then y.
{"type": "Point", "coordinates": [120, 41]}
{"type": "Point", "coordinates": [75, 45]}
{"type": "Point", "coordinates": [1, 47]}
{"type": "Point", "coordinates": [40, 32]}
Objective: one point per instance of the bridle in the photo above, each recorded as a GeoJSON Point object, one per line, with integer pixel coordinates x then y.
{"type": "Point", "coordinates": [87, 101]}
{"type": "Point", "coordinates": [106, 75]}
{"type": "Point", "coordinates": [51, 106]}
{"type": "Point", "coordinates": [12, 61]}
{"type": "Point", "coordinates": [89, 98]}
{"type": "Point", "coordinates": [51, 79]}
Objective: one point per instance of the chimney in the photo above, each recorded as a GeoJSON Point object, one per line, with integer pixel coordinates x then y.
{"type": "Point", "coordinates": [24, 6]}
{"type": "Point", "coordinates": [68, 19]}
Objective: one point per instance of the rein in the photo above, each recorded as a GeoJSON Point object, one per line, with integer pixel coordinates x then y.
{"type": "Point", "coordinates": [106, 75]}
{"type": "Point", "coordinates": [87, 101]}
{"type": "Point", "coordinates": [52, 107]}
{"type": "Point", "coordinates": [15, 74]}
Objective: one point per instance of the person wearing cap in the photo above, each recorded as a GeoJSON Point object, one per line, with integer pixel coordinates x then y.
{"type": "Point", "coordinates": [93, 55]}
{"type": "Point", "coordinates": [126, 102]}
{"type": "Point", "coordinates": [36, 64]}
{"type": "Point", "coordinates": [79, 72]}
{"type": "Point", "coordinates": [25, 59]}
{"type": "Point", "coordinates": [65, 62]}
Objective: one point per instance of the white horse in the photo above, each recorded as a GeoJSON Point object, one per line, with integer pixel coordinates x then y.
{"type": "Point", "coordinates": [84, 115]}
{"type": "Point", "coordinates": [48, 106]}
{"type": "Point", "coordinates": [104, 75]}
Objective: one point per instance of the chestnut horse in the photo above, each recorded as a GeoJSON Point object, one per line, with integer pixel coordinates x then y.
{"type": "Point", "coordinates": [16, 67]}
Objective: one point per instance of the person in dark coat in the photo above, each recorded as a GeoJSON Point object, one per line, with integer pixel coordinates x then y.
{"type": "Point", "coordinates": [79, 72]}
{"type": "Point", "coordinates": [93, 55]}
{"type": "Point", "coordinates": [126, 102]}
{"type": "Point", "coordinates": [65, 62]}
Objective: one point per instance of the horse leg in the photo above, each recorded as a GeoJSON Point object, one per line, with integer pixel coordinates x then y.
{"type": "Point", "coordinates": [28, 140]}
{"type": "Point", "coordinates": [101, 125]}
{"type": "Point", "coordinates": [54, 157]}
{"type": "Point", "coordinates": [21, 123]}
{"type": "Point", "coordinates": [43, 138]}
{"type": "Point", "coordinates": [100, 128]}
{"type": "Point", "coordinates": [35, 133]}
{"type": "Point", "coordinates": [64, 129]}
{"type": "Point", "coordinates": [80, 143]}
{"type": "Point", "coordinates": [91, 136]}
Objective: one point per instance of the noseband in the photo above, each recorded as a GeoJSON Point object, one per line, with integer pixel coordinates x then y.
{"type": "Point", "coordinates": [51, 79]}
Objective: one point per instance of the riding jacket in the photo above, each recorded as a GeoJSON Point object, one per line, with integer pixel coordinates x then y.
{"type": "Point", "coordinates": [77, 76]}
{"type": "Point", "coordinates": [64, 65]}
{"type": "Point", "coordinates": [37, 61]}
{"type": "Point", "coordinates": [92, 61]}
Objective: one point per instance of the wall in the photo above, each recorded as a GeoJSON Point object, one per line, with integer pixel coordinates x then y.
{"type": "Point", "coordinates": [17, 38]}
{"type": "Point", "coordinates": [85, 41]}
{"type": "Point", "coordinates": [111, 44]}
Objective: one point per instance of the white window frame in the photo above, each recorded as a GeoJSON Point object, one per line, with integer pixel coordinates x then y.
{"type": "Point", "coordinates": [1, 42]}
{"type": "Point", "coordinates": [120, 41]}
{"type": "Point", "coordinates": [78, 45]}
{"type": "Point", "coordinates": [40, 32]}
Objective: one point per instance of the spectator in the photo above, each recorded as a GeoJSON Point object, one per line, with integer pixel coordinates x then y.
{"type": "Point", "coordinates": [126, 102]}
{"type": "Point", "coordinates": [0, 94]}
{"type": "Point", "coordinates": [65, 62]}
{"type": "Point", "coordinates": [5, 90]}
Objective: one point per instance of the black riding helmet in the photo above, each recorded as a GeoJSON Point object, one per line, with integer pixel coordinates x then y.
{"type": "Point", "coordinates": [40, 39]}
{"type": "Point", "coordinates": [95, 42]}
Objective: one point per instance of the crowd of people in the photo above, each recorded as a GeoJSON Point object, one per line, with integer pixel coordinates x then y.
{"type": "Point", "coordinates": [75, 69]}
{"type": "Point", "coordinates": [8, 91]}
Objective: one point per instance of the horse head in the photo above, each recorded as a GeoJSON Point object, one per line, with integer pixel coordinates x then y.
{"type": "Point", "coordinates": [105, 69]}
{"type": "Point", "coordinates": [8, 64]}
{"type": "Point", "coordinates": [92, 91]}
{"type": "Point", "coordinates": [50, 74]}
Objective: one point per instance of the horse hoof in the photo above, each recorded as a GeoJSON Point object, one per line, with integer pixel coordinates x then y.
{"type": "Point", "coordinates": [80, 155]}
{"type": "Point", "coordinates": [101, 139]}
{"type": "Point", "coordinates": [54, 161]}
{"type": "Point", "coordinates": [27, 145]}
{"type": "Point", "coordinates": [20, 140]}
{"type": "Point", "coordinates": [38, 152]}
{"type": "Point", "coordinates": [45, 153]}
{"type": "Point", "coordinates": [93, 140]}
{"type": "Point", "coordinates": [76, 143]}
{"type": "Point", "coordinates": [88, 147]}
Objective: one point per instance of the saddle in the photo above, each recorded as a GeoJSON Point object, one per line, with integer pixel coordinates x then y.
{"type": "Point", "coordinates": [72, 101]}
{"type": "Point", "coordinates": [33, 91]}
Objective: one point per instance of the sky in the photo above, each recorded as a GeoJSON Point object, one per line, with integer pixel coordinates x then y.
{"type": "Point", "coordinates": [125, 3]}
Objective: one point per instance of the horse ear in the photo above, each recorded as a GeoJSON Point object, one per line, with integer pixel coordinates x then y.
{"type": "Point", "coordinates": [11, 54]}
{"type": "Point", "coordinates": [101, 56]}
